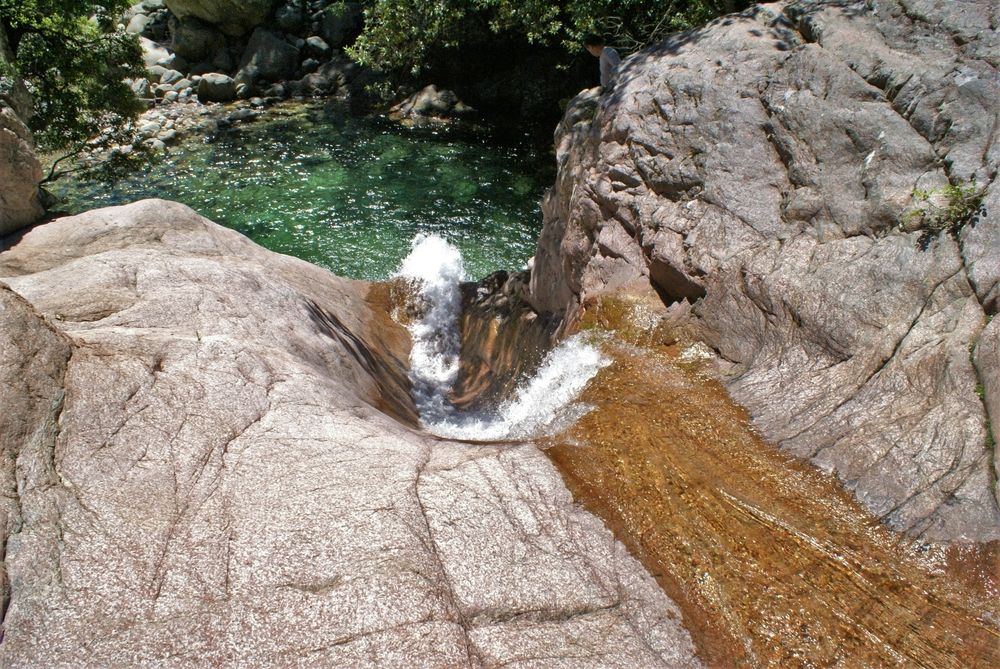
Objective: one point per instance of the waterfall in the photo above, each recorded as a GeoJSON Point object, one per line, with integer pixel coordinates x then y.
{"type": "Point", "coordinates": [543, 404]}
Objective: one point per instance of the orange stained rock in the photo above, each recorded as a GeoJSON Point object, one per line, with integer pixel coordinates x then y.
{"type": "Point", "coordinates": [772, 562]}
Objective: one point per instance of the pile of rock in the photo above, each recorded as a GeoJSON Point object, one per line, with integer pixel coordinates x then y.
{"type": "Point", "coordinates": [430, 104]}
{"type": "Point", "coordinates": [224, 50]}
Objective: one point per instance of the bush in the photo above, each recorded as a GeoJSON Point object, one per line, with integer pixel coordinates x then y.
{"type": "Point", "coordinates": [947, 209]}
{"type": "Point", "coordinates": [405, 34]}
{"type": "Point", "coordinates": [74, 63]}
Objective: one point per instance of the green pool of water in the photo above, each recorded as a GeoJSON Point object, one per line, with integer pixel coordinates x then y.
{"type": "Point", "coordinates": [348, 193]}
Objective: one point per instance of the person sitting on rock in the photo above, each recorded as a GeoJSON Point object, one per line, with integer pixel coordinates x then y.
{"type": "Point", "coordinates": [609, 59]}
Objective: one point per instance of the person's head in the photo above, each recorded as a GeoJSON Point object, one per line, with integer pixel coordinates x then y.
{"type": "Point", "coordinates": [594, 44]}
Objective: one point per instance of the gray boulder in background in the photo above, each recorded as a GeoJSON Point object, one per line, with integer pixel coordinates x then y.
{"type": "Point", "coordinates": [290, 16]}
{"type": "Point", "coordinates": [339, 23]}
{"type": "Point", "coordinates": [272, 58]}
{"type": "Point", "coordinates": [233, 17]}
{"type": "Point", "coordinates": [762, 167]}
{"type": "Point", "coordinates": [212, 460]}
{"type": "Point", "coordinates": [195, 40]}
{"type": "Point", "coordinates": [215, 87]}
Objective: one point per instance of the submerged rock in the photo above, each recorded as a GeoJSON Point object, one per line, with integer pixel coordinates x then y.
{"type": "Point", "coordinates": [202, 432]}
{"type": "Point", "coordinates": [430, 102]}
{"type": "Point", "coordinates": [761, 167]}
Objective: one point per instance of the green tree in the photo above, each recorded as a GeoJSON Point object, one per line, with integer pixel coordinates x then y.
{"type": "Point", "coordinates": [74, 62]}
{"type": "Point", "coordinates": [402, 34]}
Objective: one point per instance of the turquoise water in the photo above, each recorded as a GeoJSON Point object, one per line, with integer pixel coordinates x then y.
{"type": "Point", "coordinates": [349, 193]}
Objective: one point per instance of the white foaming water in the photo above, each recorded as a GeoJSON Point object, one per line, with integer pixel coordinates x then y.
{"type": "Point", "coordinates": [436, 268]}
{"type": "Point", "coordinates": [542, 405]}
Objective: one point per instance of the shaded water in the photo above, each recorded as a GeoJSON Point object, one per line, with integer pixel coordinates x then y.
{"type": "Point", "coordinates": [349, 193]}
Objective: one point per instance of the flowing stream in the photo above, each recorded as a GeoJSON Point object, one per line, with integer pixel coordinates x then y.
{"type": "Point", "coordinates": [772, 562]}
{"type": "Point", "coordinates": [541, 405]}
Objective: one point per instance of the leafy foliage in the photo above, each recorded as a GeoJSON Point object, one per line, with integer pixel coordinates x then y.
{"type": "Point", "coordinates": [74, 62]}
{"type": "Point", "coordinates": [946, 209]}
{"type": "Point", "coordinates": [403, 34]}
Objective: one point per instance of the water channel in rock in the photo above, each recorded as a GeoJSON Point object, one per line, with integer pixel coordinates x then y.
{"type": "Point", "coordinates": [771, 561]}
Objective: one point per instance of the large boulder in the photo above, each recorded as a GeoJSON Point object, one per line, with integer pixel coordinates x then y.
{"type": "Point", "coordinates": [20, 173]}
{"type": "Point", "coordinates": [195, 40]}
{"type": "Point", "coordinates": [210, 458]}
{"type": "Point", "coordinates": [215, 87]}
{"type": "Point", "coordinates": [762, 167]}
{"type": "Point", "coordinates": [340, 23]}
{"type": "Point", "coordinates": [269, 56]}
{"type": "Point", "coordinates": [233, 17]}
{"type": "Point", "coordinates": [152, 52]}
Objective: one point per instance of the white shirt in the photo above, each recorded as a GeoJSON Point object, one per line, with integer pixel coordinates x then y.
{"type": "Point", "coordinates": [609, 66]}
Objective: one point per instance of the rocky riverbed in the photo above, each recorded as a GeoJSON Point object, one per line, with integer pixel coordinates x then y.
{"type": "Point", "coordinates": [213, 454]}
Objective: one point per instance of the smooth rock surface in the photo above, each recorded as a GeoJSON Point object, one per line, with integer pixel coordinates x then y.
{"type": "Point", "coordinates": [761, 167]}
{"type": "Point", "coordinates": [199, 469]}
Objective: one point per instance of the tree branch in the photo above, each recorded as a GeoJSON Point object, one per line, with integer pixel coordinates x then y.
{"type": "Point", "coordinates": [53, 175]}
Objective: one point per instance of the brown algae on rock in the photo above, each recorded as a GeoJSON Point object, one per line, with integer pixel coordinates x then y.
{"type": "Point", "coordinates": [771, 560]}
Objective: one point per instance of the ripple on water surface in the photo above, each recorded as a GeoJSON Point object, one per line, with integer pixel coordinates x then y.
{"type": "Point", "coordinates": [349, 193]}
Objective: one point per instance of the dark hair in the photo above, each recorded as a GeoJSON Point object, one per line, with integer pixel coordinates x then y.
{"type": "Point", "coordinates": [593, 40]}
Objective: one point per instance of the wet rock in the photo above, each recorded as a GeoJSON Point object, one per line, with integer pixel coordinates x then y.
{"type": "Point", "coordinates": [20, 173]}
{"type": "Point", "coordinates": [769, 189]}
{"type": "Point", "coordinates": [233, 17]}
{"type": "Point", "coordinates": [216, 87]}
{"type": "Point", "coordinates": [200, 426]}
{"type": "Point", "coordinates": [272, 58]}
{"type": "Point", "coordinates": [430, 103]}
